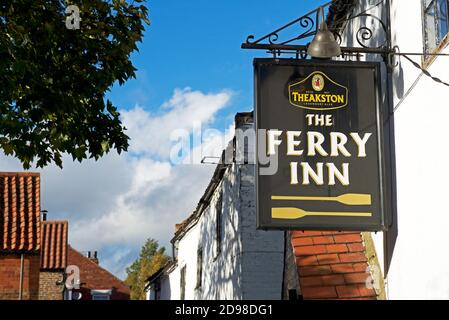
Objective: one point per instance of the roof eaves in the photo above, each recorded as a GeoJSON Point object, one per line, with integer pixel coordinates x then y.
{"type": "Point", "coordinates": [204, 201]}
{"type": "Point", "coordinates": [166, 269]}
{"type": "Point", "coordinates": [338, 14]}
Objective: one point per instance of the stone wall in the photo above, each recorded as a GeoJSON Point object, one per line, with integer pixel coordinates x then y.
{"type": "Point", "coordinates": [49, 289]}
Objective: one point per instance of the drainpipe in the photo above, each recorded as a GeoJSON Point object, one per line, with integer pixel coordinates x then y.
{"type": "Point", "coordinates": [21, 276]}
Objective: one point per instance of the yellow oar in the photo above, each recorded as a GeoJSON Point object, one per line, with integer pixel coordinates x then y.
{"type": "Point", "coordinates": [347, 198]}
{"type": "Point", "coordinates": [296, 213]}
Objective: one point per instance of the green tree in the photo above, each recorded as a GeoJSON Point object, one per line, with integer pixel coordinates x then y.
{"type": "Point", "coordinates": [151, 259]}
{"type": "Point", "coordinates": [53, 77]}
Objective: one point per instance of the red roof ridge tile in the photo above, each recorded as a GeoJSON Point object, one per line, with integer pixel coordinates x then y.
{"type": "Point", "coordinates": [21, 174]}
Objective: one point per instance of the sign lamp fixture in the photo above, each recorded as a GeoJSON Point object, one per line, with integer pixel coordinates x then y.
{"type": "Point", "coordinates": [323, 45]}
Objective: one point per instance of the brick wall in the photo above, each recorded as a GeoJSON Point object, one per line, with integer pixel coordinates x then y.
{"type": "Point", "coordinates": [48, 287]}
{"type": "Point", "coordinates": [10, 276]}
{"type": "Point", "coordinates": [332, 265]}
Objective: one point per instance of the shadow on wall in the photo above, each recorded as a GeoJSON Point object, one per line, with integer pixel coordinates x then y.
{"type": "Point", "coordinates": [390, 89]}
{"type": "Point", "coordinates": [166, 289]}
{"type": "Point", "coordinates": [222, 270]}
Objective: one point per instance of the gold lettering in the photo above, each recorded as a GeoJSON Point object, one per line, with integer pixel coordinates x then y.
{"type": "Point", "coordinates": [295, 96]}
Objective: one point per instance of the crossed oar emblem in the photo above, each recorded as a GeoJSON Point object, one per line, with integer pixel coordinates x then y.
{"type": "Point", "coordinates": [353, 199]}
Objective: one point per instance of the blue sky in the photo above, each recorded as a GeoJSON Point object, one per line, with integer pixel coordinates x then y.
{"type": "Point", "coordinates": [197, 44]}
{"type": "Point", "coordinates": [190, 70]}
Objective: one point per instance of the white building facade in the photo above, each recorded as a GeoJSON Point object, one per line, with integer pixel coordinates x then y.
{"type": "Point", "coordinates": [414, 253]}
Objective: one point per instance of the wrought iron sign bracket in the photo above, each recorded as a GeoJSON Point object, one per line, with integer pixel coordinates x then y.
{"type": "Point", "coordinates": [301, 50]}
{"type": "Point", "coordinates": [277, 43]}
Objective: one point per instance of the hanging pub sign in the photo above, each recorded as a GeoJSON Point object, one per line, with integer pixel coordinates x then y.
{"type": "Point", "coordinates": [319, 145]}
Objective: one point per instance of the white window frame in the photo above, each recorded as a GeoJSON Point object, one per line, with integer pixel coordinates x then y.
{"type": "Point", "coordinates": [432, 45]}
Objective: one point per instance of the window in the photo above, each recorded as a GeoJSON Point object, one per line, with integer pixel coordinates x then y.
{"type": "Point", "coordinates": [183, 283]}
{"type": "Point", "coordinates": [175, 250]}
{"type": "Point", "coordinates": [101, 294]}
{"type": "Point", "coordinates": [219, 222]}
{"type": "Point", "coordinates": [199, 268]}
{"type": "Point", "coordinates": [100, 297]}
{"type": "Point", "coordinates": [436, 23]}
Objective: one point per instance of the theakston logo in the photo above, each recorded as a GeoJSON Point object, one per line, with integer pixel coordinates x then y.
{"type": "Point", "coordinates": [318, 92]}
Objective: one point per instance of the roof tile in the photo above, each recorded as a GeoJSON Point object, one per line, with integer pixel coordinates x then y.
{"type": "Point", "coordinates": [20, 211]}
{"type": "Point", "coordinates": [54, 245]}
{"type": "Point", "coordinates": [93, 276]}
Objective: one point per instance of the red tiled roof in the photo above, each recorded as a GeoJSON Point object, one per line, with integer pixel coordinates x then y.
{"type": "Point", "coordinates": [54, 245]}
{"type": "Point", "coordinates": [94, 277]}
{"type": "Point", "coordinates": [19, 211]}
{"type": "Point", "coordinates": [332, 265]}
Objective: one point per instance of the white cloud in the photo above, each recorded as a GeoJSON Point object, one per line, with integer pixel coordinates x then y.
{"type": "Point", "coordinates": [185, 109]}
{"type": "Point", "coordinates": [119, 201]}
{"type": "Point", "coordinates": [212, 144]}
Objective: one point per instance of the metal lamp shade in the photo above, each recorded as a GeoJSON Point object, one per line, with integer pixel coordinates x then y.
{"type": "Point", "coordinates": [324, 45]}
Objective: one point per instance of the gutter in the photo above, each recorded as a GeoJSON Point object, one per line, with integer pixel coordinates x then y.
{"type": "Point", "coordinates": [21, 276]}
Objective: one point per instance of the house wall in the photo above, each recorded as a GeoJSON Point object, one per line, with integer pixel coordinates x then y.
{"type": "Point", "coordinates": [186, 257]}
{"type": "Point", "coordinates": [170, 286]}
{"type": "Point", "coordinates": [221, 271]}
{"type": "Point", "coordinates": [10, 276]}
{"type": "Point", "coordinates": [419, 267]}
{"type": "Point", "coordinates": [49, 289]}
{"type": "Point", "coordinates": [263, 251]}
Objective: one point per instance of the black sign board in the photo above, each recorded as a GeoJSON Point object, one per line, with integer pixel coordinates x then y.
{"type": "Point", "coordinates": [319, 145]}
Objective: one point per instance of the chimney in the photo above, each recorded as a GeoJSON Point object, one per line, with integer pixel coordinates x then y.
{"type": "Point", "coordinates": [92, 256]}
{"type": "Point", "coordinates": [44, 215]}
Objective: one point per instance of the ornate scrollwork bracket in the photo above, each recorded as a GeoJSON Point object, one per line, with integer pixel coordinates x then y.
{"type": "Point", "coordinates": [281, 41]}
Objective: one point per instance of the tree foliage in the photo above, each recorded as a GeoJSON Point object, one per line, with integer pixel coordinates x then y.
{"type": "Point", "coordinates": [53, 79]}
{"type": "Point", "coordinates": [150, 260]}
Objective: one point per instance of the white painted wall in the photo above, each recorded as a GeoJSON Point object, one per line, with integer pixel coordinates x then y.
{"type": "Point", "coordinates": [170, 287]}
{"type": "Point", "coordinates": [187, 251]}
{"type": "Point", "coordinates": [420, 263]}
{"type": "Point", "coordinates": [222, 272]}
